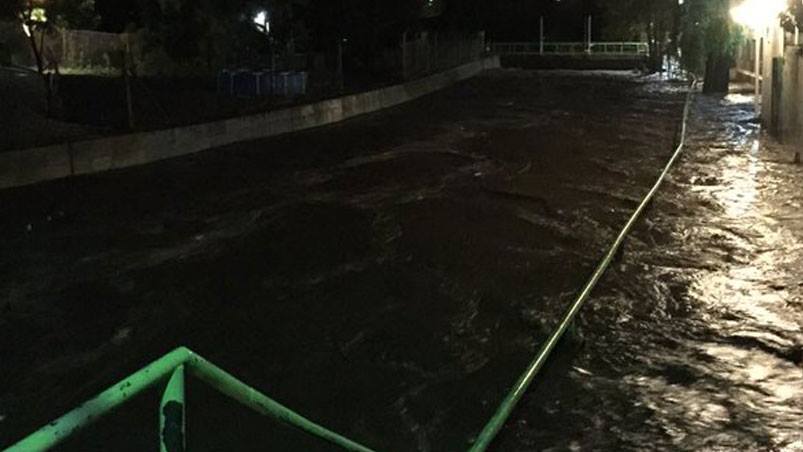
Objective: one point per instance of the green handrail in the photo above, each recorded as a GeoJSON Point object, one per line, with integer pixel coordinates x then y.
{"type": "Point", "coordinates": [172, 417]}
{"type": "Point", "coordinates": [512, 399]}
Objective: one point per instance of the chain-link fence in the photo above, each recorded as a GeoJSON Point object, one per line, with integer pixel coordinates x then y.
{"type": "Point", "coordinates": [90, 50]}
{"type": "Point", "coordinates": [433, 52]}
{"type": "Point", "coordinates": [69, 50]}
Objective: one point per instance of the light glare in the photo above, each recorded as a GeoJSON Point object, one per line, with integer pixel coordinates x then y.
{"type": "Point", "coordinates": [261, 20]}
{"type": "Point", "coordinates": [758, 14]}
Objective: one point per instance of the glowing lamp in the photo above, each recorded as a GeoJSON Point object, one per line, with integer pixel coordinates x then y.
{"type": "Point", "coordinates": [262, 21]}
{"type": "Point", "coordinates": [758, 14]}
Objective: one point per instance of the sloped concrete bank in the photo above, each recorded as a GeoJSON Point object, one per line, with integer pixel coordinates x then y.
{"type": "Point", "coordinates": [29, 166]}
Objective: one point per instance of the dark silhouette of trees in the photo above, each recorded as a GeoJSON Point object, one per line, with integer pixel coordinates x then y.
{"type": "Point", "coordinates": [657, 20]}
{"type": "Point", "coordinates": [708, 41]}
{"type": "Point", "coordinates": [701, 30]}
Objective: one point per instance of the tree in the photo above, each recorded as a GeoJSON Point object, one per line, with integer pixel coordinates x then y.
{"type": "Point", "coordinates": [33, 19]}
{"type": "Point", "coordinates": [708, 41]}
{"type": "Point", "coordinates": [365, 27]}
{"type": "Point", "coordinates": [700, 31]}
{"type": "Point", "coordinates": [629, 20]}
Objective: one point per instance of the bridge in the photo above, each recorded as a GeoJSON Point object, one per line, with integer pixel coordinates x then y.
{"type": "Point", "coordinates": [573, 55]}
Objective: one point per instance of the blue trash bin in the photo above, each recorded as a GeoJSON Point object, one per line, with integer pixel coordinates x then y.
{"type": "Point", "coordinates": [281, 84]}
{"type": "Point", "coordinates": [266, 83]}
{"type": "Point", "coordinates": [225, 82]}
{"type": "Point", "coordinates": [245, 84]}
{"type": "Point", "coordinates": [297, 84]}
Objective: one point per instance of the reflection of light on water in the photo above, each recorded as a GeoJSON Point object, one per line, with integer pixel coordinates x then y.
{"type": "Point", "coordinates": [741, 192]}
{"type": "Point", "coordinates": [796, 446]}
{"type": "Point", "coordinates": [787, 392]}
{"type": "Point", "coordinates": [738, 99]}
{"type": "Point", "coordinates": [740, 291]}
{"type": "Point", "coordinates": [685, 413]}
{"type": "Point", "coordinates": [758, 371]}
{"type": "Point", "coordinates": [740, 378]}
{"type": "Point", "coordinates": [741, 183]}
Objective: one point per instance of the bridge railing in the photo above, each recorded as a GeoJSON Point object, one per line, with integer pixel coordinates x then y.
{"type": "Point", "coordinates": [572, 48]}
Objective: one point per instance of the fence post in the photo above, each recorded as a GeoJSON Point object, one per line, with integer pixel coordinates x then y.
{"type": "Point", "coordinates": [340, 76]}
{"type": "Point", "coordinates": [541, 36]}
{"type": "Point", "coordinates": [404, 55]}
{"type": "Point", "coordinates": [128, 98]}
{"type": "Point", "coordinates": [64, 52]}
{"type": "Point", "coordinates": [172, 414]}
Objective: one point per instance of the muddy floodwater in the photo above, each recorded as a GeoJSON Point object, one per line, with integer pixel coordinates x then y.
{"type": "Point", "coordinates": [390, 277]}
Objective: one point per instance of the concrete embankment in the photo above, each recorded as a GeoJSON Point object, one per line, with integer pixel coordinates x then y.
{"type": "Point", "coordinates": [28, 166]}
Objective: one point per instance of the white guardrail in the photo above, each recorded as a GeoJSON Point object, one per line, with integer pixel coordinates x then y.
{"type": "Point", "coordinates": [572, 48]}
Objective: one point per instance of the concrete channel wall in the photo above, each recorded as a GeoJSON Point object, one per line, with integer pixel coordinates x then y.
{"type": "Point", "coordinates": [29, 166]}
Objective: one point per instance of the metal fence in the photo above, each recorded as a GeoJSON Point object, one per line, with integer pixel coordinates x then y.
{"type": "Point", "coordinates": [433, 52]}
{"type": "Point", "coordinates": [68, 49]}
{"type": "Point", "coordinates": [79, 49]}
{"type": "Point", "coordinates": [610, 49]}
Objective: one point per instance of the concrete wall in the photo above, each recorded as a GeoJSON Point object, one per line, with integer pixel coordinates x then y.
{"type": "Point", "coordinates": [783, 116]}
{"type": "Point", "coordinates": [772, 48]}
{"type": "Point", "coordinates": [28, 166]}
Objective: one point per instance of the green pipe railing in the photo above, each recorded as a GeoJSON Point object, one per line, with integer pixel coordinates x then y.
{"type": "Point", "coordinates": [172, 412]}
{"type": "Point", "coordinates": [172, 409]}
{"type": "Point", "coordinates": [512, 399]}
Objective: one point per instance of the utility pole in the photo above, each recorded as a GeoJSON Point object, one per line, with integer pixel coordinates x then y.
{"type": "Point", "coordinates": [588, 34]}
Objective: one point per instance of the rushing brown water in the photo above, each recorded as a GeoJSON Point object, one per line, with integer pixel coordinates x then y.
{"type": "Point", "coordinates": [390, 277]}
{"type": "Point", "coordinates": [695, 341]}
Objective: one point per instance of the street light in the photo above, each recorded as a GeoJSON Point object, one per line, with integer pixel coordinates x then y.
{"type": "Point", "coordinates": [36, 16]}
{"type": "Point", "coordinates": [262, 21]}
{"type": "Point", "coordinates": [758, 15]}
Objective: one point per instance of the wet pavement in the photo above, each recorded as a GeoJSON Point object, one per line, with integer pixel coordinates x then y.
{"type": "Point", "coordinates": [391, 276]}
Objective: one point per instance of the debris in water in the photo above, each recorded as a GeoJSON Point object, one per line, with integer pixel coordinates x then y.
{"type": "Point", "coordinates": [122, 335]}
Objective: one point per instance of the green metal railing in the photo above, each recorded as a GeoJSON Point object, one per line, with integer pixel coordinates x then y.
{"type": "Point", "coordinates": [172, 413]}
{"type": "Point", "coordinates": [638, 49]}
{"type": "Point", "coordinates": [496, 423]}
{"type": "Point", "coordinates": [174, 365]}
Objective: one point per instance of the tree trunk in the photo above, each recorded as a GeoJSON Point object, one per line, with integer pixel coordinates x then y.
{"type": "Point", "coordinates": [717, 73]}
{"type": "Point", "coordinates": [40, 67]}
